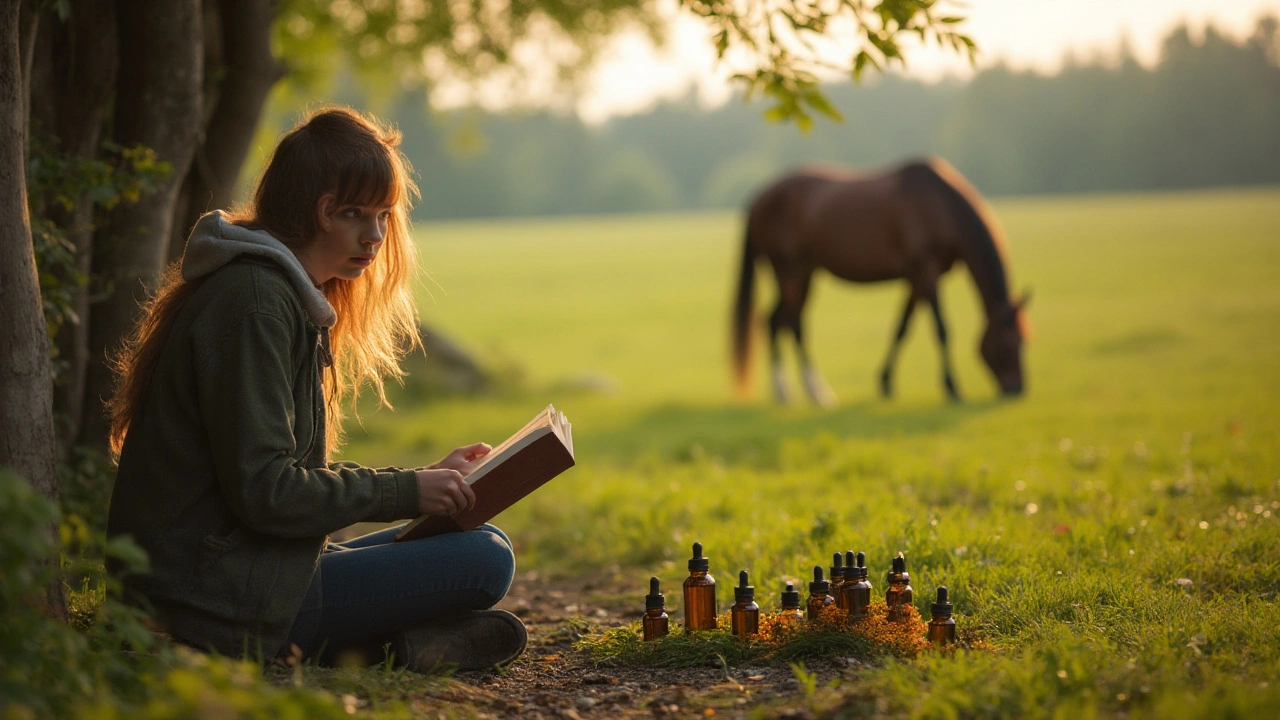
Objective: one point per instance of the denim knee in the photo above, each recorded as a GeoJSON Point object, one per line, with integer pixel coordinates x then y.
{"type": "Point", "coordinates": [492, 558]}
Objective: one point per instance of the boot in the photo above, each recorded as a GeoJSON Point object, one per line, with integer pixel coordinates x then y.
{"type": "Point", "coordinates": [474, 640]}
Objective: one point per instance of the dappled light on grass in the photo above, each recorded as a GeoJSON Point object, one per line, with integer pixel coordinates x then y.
{"type": "Point", "coordinates": [1111, 538]}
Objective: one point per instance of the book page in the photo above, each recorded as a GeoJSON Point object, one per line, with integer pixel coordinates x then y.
{"type": "Point", "coordinates": [523, 437]}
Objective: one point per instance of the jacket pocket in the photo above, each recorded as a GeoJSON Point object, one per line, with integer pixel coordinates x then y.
{"type": "Point", "coordinates": [214, 547]}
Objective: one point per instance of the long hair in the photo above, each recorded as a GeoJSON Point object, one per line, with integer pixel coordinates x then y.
{"type": "Point", "coordinates": [357, 158]}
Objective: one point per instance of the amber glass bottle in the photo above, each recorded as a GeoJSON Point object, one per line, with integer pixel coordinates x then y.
{"type": "Point", "coordinates": [791, 614]}
{"type": "Point", "coordinates": [898, 596]}
{"type": "Point", "coordinates": [942, 628]}
{"type": "Point", "coordinates": [655, 612]}
{"type": "Point", "coordinates": [699, 594]}
{"type": "Point", "coordinates": [857, 589]}
{"type": "Point", "coordinates": [819, 595]}
{"type": "Point", "coordinates": [838, 580]}
{"type": "Point", "coordinates": [745, 614]}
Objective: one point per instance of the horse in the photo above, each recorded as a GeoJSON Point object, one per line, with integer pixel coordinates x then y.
{"type": "Point", "coordinates": [911, 223]}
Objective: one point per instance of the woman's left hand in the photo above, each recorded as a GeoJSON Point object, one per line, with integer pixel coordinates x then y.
{"type": "Point", "coordinates": [464, 459]}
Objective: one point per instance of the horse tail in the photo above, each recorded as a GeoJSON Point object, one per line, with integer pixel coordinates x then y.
{"type": "Point", "coordinates": [742, 311]}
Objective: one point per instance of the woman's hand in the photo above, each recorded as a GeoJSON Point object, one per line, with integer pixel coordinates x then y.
{"type": "Point", "coordinates": [443, 491]}
{"type": "Point", "coordinates": [464, 459]}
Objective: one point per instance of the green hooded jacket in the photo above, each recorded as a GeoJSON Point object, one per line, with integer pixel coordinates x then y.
{"type": "Point", "coordinates": [223, 477]}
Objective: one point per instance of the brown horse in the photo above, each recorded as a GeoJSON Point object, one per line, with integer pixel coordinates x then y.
{"type": "Point", "coordinates": [912, 223]}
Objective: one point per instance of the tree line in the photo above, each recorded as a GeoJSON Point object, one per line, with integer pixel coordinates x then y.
{"type": "Point", "coordinates": [1206, 114]}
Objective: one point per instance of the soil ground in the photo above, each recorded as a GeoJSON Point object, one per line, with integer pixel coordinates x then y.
{"type": "Point", "coordinates": [552, 680]}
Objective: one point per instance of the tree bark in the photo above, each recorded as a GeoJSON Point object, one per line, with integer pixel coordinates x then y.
{"type": "Point", "coordinates": [72, 81]}
{"type": "Point", "coordinates": [247, 72]}
{"type": "Point", "coordinates": [157, 105]}
{"type": "Point", "coordinates": [26, 387]}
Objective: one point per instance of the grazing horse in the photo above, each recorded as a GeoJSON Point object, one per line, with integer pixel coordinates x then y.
{"type": "Point", "coordinates": [912, 223]}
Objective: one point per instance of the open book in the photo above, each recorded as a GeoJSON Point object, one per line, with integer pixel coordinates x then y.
{"type": "Point", "coordinates": [541, 450]}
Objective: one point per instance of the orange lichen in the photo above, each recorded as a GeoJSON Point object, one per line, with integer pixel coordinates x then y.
{"type": "Point", "coordinates": [904, 638]}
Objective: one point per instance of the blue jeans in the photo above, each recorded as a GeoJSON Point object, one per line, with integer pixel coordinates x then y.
{"type": "Point", "coordinates": [368, 589]}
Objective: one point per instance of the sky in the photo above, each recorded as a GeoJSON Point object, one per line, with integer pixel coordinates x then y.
{"type": "Point", "coordinates": [632, 75]}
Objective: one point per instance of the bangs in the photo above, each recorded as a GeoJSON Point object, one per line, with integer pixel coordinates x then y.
{"type": "Point", "coordinates": [370, 180]}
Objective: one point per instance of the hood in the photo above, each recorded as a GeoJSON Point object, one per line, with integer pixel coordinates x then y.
{"type": "Point", "coordinates": [214, 242]}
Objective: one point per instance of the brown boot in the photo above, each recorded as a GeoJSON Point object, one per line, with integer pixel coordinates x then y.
{"type": "Point", "coordinates": [475, 640]}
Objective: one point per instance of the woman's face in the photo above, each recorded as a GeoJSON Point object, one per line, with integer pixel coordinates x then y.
{"type": "Point", "coordinates": [349, 240]}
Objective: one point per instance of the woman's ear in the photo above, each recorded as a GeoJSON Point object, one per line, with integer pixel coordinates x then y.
{"type": "Point", "coordinates": [324, 210]}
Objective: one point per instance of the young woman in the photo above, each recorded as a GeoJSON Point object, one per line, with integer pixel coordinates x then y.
{"type": "Point", "coordinates": [228, 403]}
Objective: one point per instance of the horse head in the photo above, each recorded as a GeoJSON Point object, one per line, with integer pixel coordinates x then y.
{"type": "Point", "coordinates": [1001, 346]}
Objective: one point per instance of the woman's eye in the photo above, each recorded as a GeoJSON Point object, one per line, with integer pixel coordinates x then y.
{"type": "Point", "coordinates": [352, 213]}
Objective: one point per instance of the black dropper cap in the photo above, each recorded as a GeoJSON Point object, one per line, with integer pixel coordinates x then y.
{"type": "Point", "coordinates": [862, 566]}
{"type": "Point", "coordinates": [744, 592]}
{"type": "Point", "coordinates": [899, 572]}
{"type": "Point", "coordinates": [697, 563]}
{"type": "Point", "coordinates": [942, 607]}
{"type": "Point", "coordinates": [655, 600]}
{"type": "Point", "coordinates": [837, 566]}
{"type": "Point", "coordinates": [818, 586]}
{"type": "Point", "coordinates": [790, 598]}
{"type": "Point", "coordinates": [850, 572]}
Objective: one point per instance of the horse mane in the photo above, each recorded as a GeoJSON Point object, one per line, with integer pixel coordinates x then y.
{"type": "Point", "coordinates": [981, 243]}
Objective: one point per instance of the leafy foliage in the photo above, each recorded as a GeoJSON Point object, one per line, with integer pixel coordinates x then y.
{"type": "Point", "coordinates": [107, 663]}
{"type": "Point", "coordinates": [56, 182]}
{"type": "Point", "coordinates": [788, 42]}
{"type": "Point", "coordinates": [778, 46]}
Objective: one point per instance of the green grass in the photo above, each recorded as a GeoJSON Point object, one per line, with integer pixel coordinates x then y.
{"type": "Point", "coordinates": [1146, 453]}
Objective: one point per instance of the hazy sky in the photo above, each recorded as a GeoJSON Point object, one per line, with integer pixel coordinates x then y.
{"type": "Point", "coordinates": [632, 75]}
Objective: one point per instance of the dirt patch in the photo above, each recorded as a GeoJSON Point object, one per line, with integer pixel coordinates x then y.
{"type": "Point", "coordinates": [552, 680]}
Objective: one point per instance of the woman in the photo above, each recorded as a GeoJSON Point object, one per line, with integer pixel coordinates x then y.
{"type": "Point", "coordinates": [228, 402]}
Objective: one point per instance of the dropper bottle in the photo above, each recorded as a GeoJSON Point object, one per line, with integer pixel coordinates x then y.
{"type": "Point", "coordinates": [942, 628]}
{"type": "Point", "coordinates": [699, 594]}
{"type": "Point", "coordinates": [791, 614]}
{"type": "Point", "coordinates": [838, 580]}
{"type": "Point", "coordinates": [819, 596]}
{"type": "Point", "coordinates": [858, 588]}
{"type": "Point", "coordinates": [655, 612]}
{"type": "Point", "coordinates": [898, 596]}
{"type": "Point", "coordinates": [745, 613]}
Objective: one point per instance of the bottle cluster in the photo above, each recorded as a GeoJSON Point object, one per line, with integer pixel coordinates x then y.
{"type": "Point", "coordinates": [848, 591]}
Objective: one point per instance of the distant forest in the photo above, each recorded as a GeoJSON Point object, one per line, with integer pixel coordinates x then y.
{"type": "Point", "coordinates": [1207, 114]}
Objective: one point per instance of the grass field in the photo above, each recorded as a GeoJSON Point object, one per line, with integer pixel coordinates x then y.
{"type": "Point", "coordinates": [1113, 537]}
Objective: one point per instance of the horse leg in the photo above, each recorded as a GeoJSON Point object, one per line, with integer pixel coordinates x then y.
{"type": "Point", "coordinates": [780, 391]}
{"type": "Point", "coordinates": [947, 381]}
{"type": "Point", "coordinates": [792, 304]}
{"type": "Point", "coordinates": [886, 373]}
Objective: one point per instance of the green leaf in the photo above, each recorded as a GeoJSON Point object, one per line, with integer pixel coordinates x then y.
{"type": "Point", "coordinates": [819, 102]}
{"type": "Point", "coordinates": [777, 113]}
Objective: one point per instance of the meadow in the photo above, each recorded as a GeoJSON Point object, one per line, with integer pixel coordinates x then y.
{"type": "Point", "coordinates": [1113, 537]}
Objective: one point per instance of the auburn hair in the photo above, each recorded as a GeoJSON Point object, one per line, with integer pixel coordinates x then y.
{"type": "Point", "coordinates": [356, 157]}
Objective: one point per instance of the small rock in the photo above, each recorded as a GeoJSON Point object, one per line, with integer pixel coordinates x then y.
{"type": "Point", "coordinates": [585, 703]}
{"type": "Point", "coordinates": [599, 679]}
{"type": "Point", "coordinates": [620, 698]}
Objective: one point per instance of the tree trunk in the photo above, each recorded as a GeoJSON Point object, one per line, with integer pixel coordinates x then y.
{"type": "Point", "coordinates": [26, 387]}
{"type": "Point", "coordinates": [73, 77]}
{"type": "Point", "coordinates": [157, 104]}
{"type": "Point", "coordinates": [248, 71]}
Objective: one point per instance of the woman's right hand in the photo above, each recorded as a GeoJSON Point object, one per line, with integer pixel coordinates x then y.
{"type": "Point", "coordinates": [443, 491]}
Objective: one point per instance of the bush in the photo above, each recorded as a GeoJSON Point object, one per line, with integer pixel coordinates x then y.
{"type": "Point", "coordinates": [113, 667]}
